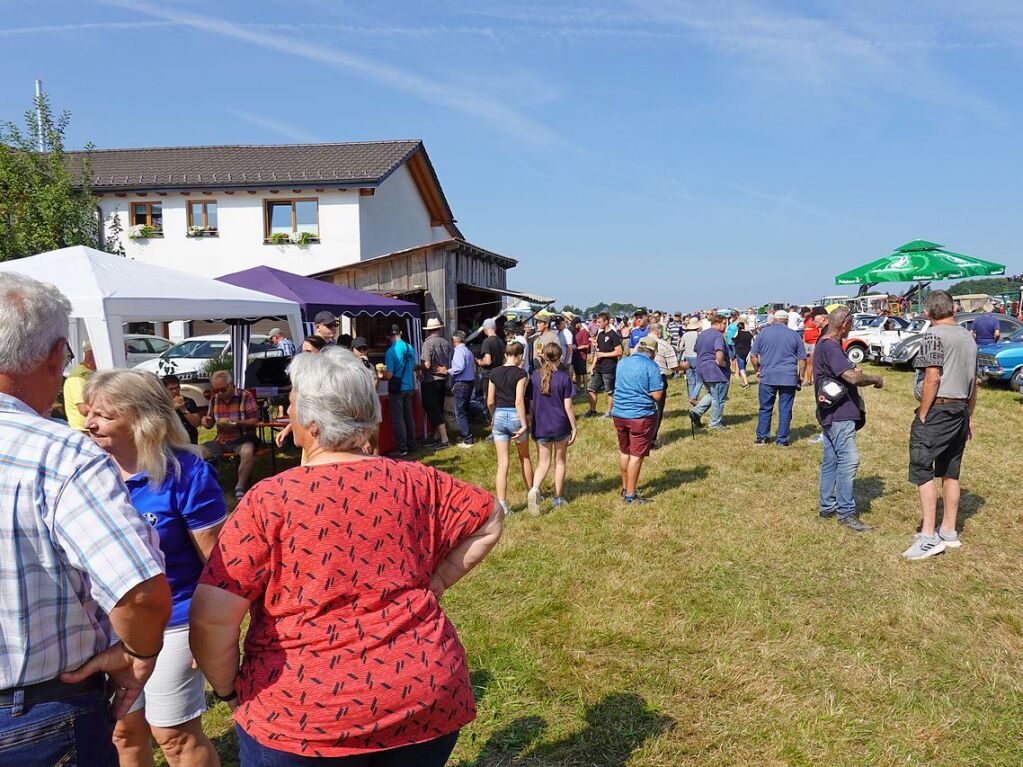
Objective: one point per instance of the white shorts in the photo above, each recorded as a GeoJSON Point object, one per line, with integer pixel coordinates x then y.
{"type": "Point", "coordinates": [176, 692]}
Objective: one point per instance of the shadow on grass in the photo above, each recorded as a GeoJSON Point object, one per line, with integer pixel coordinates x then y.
{"type": "Point", "coordinates": [969, 504]}
{"type": "Point", "coordinates": [616, 726]}
{"type": "Point", "coordinates": [592, 483]}
{"type": "Point", "coordinates": [867, 490]}
{"type": "Point", "coordinates": [804, 431]}
{"type": "Point", "coordinates": [673, 478]}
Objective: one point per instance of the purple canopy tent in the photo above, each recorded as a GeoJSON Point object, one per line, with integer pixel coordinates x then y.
{"type": "Point", "coordinates": [315, 296]}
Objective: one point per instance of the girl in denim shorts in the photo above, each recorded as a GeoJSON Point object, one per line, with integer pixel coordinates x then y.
{"type": "Point", "coordinates": [506, 400]}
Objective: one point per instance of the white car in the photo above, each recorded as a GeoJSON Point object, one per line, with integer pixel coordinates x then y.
{"type": "Point", "coordinates": [189, 359]}
{"type": "Point", "coordinates": [872, 331]}
{"type": "Point", "coordinates": [882, 344]}
{"type": "Point", "coordinates": [139, 347]}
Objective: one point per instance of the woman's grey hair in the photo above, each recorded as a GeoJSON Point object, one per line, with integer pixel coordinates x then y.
{"type": "Point", "coordinates": [337, 392]}
{"type": "Point", "coordinates": [33, 318]}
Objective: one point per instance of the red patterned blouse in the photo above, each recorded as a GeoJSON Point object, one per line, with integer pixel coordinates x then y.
{"type": "Point", "coordinates": [348, 651]}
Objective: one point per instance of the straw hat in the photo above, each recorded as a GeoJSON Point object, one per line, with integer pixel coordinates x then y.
{"type": "Point", "coordinates": [434, 324]}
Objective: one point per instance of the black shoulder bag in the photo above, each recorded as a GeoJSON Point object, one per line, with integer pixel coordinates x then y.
{"type": "Point", "coordinates": [394, 382]}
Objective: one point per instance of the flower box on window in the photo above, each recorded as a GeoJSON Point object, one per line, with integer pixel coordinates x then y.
{"type": "Point", "coordinates": [199, 231]}
{"type": "Point", "coordinates": [144, 232]}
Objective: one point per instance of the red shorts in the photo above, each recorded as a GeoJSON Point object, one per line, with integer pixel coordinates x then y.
{"type": "Point", "coordinates": [635, 435]}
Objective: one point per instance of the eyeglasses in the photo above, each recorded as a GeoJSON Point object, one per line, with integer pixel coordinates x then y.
{"type": "Point", "coordinates": [219, 390]}
{"type": "Point", "coordinates": [69, 355]}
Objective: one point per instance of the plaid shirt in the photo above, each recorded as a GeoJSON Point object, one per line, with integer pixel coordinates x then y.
{"type": "Point", "coordinates": [71, 545]}
{"type": "Point", "coordinates": [241, 407]}
{"type": "Point", "coordinates": [287, 347]}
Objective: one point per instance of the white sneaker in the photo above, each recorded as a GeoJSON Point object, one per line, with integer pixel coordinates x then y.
{"type": "Point", "coordinates": [951, 539]}
{"type": "Point", "coordinates": [505, 507]}
{"type": "Point", "coordinates": [533, 501]}
{"type": "Point", "coordinates": [924, 546]}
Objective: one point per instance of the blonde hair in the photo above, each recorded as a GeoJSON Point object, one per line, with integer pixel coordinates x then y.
{"type": "Point", "coordinates": [549, 365]}
{"type": "Point", "coordinates": [156, 430]}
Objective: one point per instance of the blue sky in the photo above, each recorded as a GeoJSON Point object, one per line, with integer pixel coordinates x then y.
{"type": "Point", "coordinates": [667, 153]}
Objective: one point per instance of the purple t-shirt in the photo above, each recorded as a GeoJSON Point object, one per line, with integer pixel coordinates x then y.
{"type": "Point", "coordinates": [829, 361]}
{"type": "Point", "coordinates": [985, 326]}
{"type": "Point", "coordinates": [549, 416]}
{"type": "Point", "coordinates": [708, 343]}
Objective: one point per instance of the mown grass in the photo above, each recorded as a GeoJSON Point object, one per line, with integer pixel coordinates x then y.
{"type": "Point", "coordinates": [723, 624]}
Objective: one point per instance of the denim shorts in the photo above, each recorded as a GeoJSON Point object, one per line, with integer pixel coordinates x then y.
{"type": "Point", "coordinates": [549, 440]}
{"type": "Point", "coordinates": [506, 423]}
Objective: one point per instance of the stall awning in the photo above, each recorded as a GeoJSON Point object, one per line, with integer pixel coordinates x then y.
{"type": "Point", "coordinates": [533, 298]}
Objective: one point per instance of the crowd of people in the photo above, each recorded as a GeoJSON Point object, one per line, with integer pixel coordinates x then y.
{"type": "Point", "coordinates": [126, 582]}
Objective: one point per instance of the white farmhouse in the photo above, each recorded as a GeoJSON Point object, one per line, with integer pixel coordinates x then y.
{"type": "Point", "coordinates": [312, 209]}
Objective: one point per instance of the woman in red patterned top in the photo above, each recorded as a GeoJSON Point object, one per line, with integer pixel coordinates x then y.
{"type": "Point", "coordinates": [340, 563]}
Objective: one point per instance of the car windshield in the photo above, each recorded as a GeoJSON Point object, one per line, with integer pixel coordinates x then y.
{"type": "Point", "coordinates": [917, 326]}
{"type": "Point", "coordinates": [867, 321]}
{"type": "Point", "coordinates": [196, 349]}
{"type": "Point", "coordinates": [1017, 336]}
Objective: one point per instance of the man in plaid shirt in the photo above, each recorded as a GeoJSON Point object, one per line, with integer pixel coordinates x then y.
{"type": "Point", "coordinates": [235, 414]}
{"type": "Point", "coordinates": [77, 562]}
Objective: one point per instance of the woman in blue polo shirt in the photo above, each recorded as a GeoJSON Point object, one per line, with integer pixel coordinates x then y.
{"type": "Point", "coordinates": [132, 418]}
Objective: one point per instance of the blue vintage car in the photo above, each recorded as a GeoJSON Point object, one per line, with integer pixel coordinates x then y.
{"type": "Point", "coordinates": [1002, 361]}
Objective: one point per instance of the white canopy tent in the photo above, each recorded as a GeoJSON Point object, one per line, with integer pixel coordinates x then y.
{"type": "Point", "coordinates": [106, 291]}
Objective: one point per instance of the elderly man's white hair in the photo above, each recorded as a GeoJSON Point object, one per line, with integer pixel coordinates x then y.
{"type": "Point", "coordinates": [33, 318]}
{"type": "Point", "coordinates": [337, 393]}
{"type": "Point", "coordinates": [222, 375]}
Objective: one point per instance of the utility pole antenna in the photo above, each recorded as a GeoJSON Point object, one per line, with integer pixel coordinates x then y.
{"type": "Point", "coordinates": [39, 115]}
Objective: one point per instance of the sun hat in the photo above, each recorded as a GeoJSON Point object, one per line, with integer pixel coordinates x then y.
{"type": "Point", "coordinates": [434, 323]}
{"type": "Point", "coordinates": [693, 324]}
{"type": "Point", "coordinates": [647, 342]}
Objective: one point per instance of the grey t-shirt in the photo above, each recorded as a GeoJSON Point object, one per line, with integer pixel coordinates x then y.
{"type": "Point", "coordinates": [437, 350]}
{"type": "Point", "coordinates": [951, 348]}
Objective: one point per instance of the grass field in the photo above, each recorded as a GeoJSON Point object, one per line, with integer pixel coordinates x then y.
{"type": "Point", "coordinates": [724, 624]}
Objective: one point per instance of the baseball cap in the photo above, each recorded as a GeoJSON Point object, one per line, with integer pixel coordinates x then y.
{"type": "Point", "coordinates": [325, 318]}
{"type": "Point", "coordinates": [490, 323]}
{"type": "Point", "coordinates": [395, 330]}
{"type": "Point", "coordinates": [647, 342]}
{"type": "Point", "coordinates": [781, 315]}
{"type": "Point", "coordinates": [360, 343]}
{"type": "Point", "coordinates": [274, 332]}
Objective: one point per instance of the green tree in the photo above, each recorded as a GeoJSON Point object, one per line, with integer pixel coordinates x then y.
{"type": "Point", "coordinates": [994, 286]}
{"type": "Point", "coordinates": [46, 201]}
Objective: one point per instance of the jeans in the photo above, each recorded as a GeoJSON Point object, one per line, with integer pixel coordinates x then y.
{"type": "Point", "coordinates": [432, 753]}
{"type": "Point", "coordinates": [786, 396]}
{"type": "Point", "coordinates": [463, 403]}
{"type": "Point", "coordinates": [693, 378]}
{"type": "Point", "coordinates": [715, 402]}
{"type": "Point", "coordinates": [838, 469]}
{"type": "Point", "coordinates": [402, 421]}
{"type": "Point", "coordinates": [660, 405]}
{"type": "Point", "coordinates": [75, 730]}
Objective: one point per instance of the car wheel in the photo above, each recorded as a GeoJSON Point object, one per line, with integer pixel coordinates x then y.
{"type": "Point", "coordinates": [1017, 381]}
{"type": "Point", "coordinates": [856, 354]}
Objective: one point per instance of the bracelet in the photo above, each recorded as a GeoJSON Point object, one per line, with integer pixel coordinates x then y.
{"type": "Point", "coordinates": [134, 654]}
{"type": "Point", "coordinates": [226, 698]}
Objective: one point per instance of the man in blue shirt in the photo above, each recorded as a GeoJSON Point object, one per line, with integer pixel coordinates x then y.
{"type": "Point", "coordinates": [779, 359]}
{"type": "Point", "coordinates": [985, 328]}
{"type": "Point", "coordinates": [712, 368]}
{"type": "Point", "coordinates": [640, 329]}
{"type": "Point", "coordinates": [400, 361]}
{"type": "Point", "coordinates": [463, 376]}
{"type": "Point", "coordinates": [638, 388]}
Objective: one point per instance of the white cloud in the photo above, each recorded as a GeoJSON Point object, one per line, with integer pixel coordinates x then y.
{"type": "Point", "coordinates": [284, 129]}
{"type": "Point", "coordinates": [85, 27]}
{"type": "Point", "coordinates": [440, 94]}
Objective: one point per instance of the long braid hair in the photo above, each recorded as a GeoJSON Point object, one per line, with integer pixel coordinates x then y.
{"type": "Point", "coordinates": [550, 364]}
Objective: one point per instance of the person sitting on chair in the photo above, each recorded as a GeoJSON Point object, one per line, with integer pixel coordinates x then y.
{"type": "Point", "coordinates": [235, 413]}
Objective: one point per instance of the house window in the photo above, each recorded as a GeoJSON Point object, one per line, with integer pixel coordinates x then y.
{"type": "Point", "coordinates": [148, 214]}
{"type": "Point", "coordinates": [202, 218]}
{"type": "Point", "coordinates": [290, 216]}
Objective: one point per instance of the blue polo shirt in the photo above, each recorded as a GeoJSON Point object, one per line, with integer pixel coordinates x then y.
{"type": "Point", "coordinates": [636, 377]}
{"type": "Point", "coordinates": [637, 333]}
{"type": "Point", "coordinates": [181, 505]}
{"type": "Point", "coordinates": [708, 343]}
{"type": "Point", "coordinates": [400, 360]}
{"type": "Point", "coordinates": [780, 350]}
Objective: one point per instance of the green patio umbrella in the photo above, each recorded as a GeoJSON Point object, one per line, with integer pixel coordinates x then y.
{"type": "Point", "coordinates": [919, 261]}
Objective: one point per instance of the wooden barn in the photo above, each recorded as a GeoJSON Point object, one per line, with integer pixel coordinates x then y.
{"type": "Point", "coordinates": [454, 280]}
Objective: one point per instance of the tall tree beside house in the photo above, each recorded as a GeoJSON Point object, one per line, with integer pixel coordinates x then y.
{"type": "Point", "coordinates": [45, 203]}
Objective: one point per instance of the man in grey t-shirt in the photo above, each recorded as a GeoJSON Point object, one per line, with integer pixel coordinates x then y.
{"type": "Point", "coordinates": [946, 386]}
{"type": "Point", "coordinates": [436, 358]}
